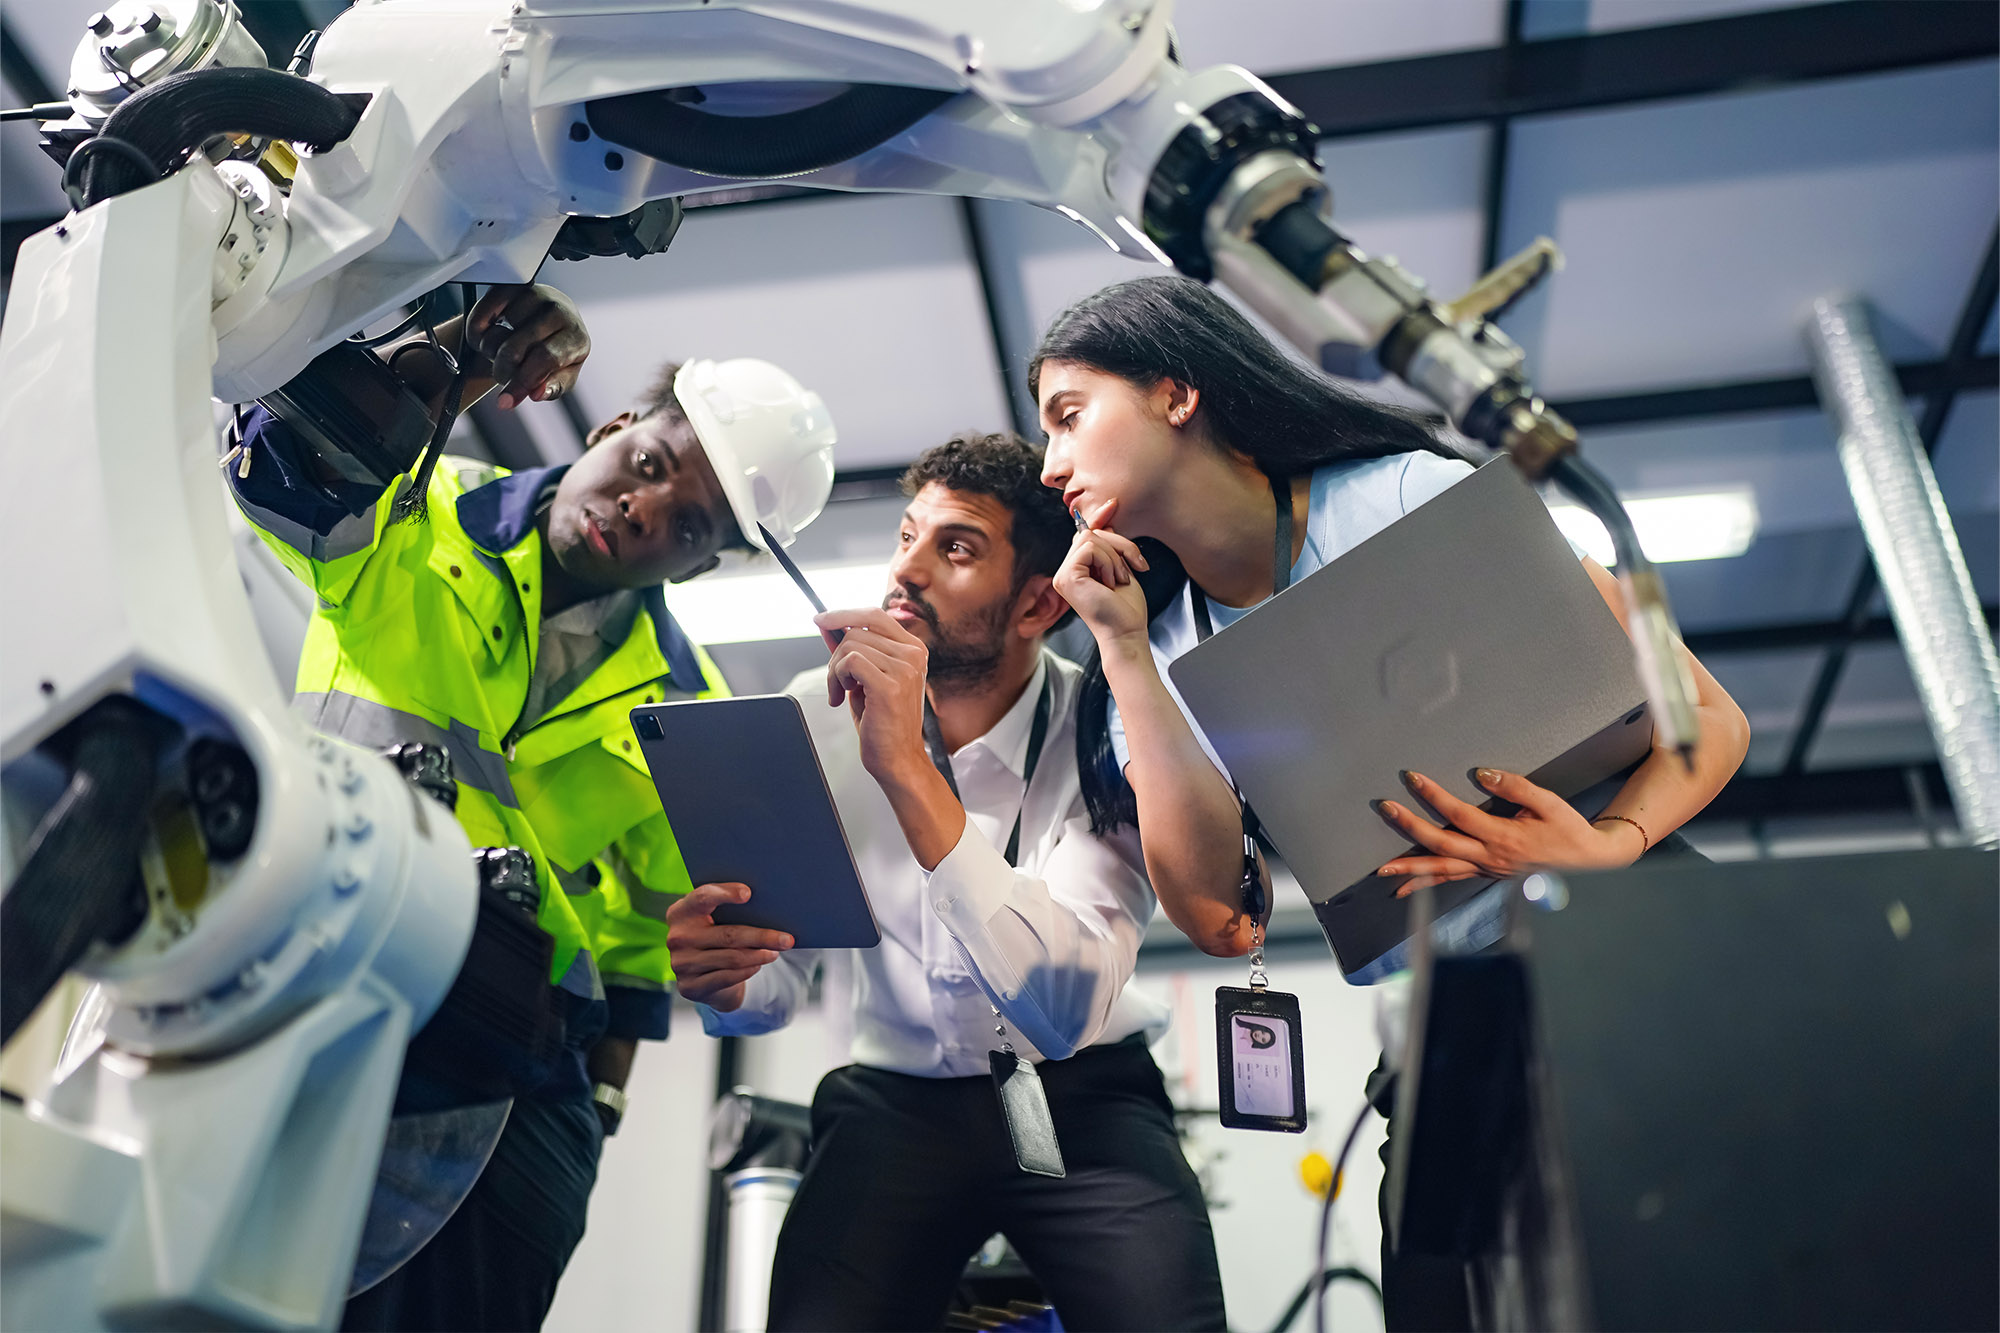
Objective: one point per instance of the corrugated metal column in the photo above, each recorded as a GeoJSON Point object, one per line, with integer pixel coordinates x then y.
{"type": "Point", "coordinates": [1917, 555]}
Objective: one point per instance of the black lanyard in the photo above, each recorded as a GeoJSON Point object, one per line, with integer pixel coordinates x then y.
{"type": "Point", "coordinates": [1281, 560]}
{"type": "Point", "coordinates": [1039, 732]}
{"type": "Point", "coordinates": [1281, 578]}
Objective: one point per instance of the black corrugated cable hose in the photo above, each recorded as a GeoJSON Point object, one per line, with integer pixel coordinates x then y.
{"type": "Point", "coordinates": [762, 147]}
{"type": "Point", "coordinates": [181, 113]}
{"type": "Point", "coordinates": [80, 882]}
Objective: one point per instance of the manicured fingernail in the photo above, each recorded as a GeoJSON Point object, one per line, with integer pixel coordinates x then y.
{"type": "Point", "coordinates": [1386, 870]}
{"type": "Point", "coordinates": [1409, 779]}
{"type": "Point", "coordinates": [1488, 776]}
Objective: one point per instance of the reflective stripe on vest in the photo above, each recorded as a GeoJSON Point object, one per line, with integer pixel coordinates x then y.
{"type": "Point", "coordinates": [365, 722]}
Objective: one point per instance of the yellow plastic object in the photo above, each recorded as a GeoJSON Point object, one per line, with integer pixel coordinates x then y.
{"type": "Point", "coordinates": [1316, 1174]}
{"type": "Point", "coordinates": [280, 163]}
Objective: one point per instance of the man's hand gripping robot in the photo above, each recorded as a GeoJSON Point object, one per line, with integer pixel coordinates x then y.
{"type": "Point", "coordinates": [279, 912]}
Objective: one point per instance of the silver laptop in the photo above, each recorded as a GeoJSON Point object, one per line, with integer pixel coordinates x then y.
{"type": "Point", "coordinates": [1464, 635]}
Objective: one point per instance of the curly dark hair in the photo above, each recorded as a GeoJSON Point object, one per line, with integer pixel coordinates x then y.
{"type": "Point", "coordinates": [659, 400]}
{"type": "Point", "coordinates": [1009, 469]}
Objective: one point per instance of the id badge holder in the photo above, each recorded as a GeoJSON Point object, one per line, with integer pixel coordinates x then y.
{"type": "Point", "coordinates": [1026, 1106]}
{"type": "Point", "coordinates": [1262, 1073]}
{"type": "Point", "coordinates": [1260, 1059]}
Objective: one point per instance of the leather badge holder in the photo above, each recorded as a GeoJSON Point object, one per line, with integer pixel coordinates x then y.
{"type": "Point", "coordinates": [1026, 1107]}
{"type": "Point", "coordinates": [1261, 1071]}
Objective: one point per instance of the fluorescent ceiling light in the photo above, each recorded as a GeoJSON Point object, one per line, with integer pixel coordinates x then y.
{"type": "Point", "coordinates": [748, 608]}
{"type": "Point", "coordinates": [1707, 525]}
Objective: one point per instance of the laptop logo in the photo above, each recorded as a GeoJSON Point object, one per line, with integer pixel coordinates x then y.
{"type": "Point", "coordinates": [1420, 674]}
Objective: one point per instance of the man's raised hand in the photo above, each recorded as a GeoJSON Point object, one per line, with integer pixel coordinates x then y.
{"type": "Point", "coordinates": [711, 962]}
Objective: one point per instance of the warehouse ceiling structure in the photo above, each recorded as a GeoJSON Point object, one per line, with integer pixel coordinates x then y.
{"type": "Point", "coordinates": [1708, 167]}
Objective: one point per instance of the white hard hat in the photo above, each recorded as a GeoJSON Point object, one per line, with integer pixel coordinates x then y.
{"type": "Point", "coordinates": [769, 439]}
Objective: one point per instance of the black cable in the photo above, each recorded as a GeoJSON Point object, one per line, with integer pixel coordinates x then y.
{"type": "Point", "coordinates": [412, 502]}
{"type": "Point", "coordinates": [403, 326]}
{"type": "Point", "coordinates": [39, 111]}
{"type": "Point", "coordinates": [1589, 487]}
{"type": "Point", "coordinates": [417, 345]}
{"type": "Point", "coordinates": [80, 882]}
{"type": "Point", "coordinates": [1329, 1276]}
{"type": "Point", "coordinates": [184, 111]}
{"type": "Point", "coordinates": [1320, 1273]}
{"type": "Point", "coordinates": [118, 72]}
{"type": "Point", "coordinates": [72, 182]}
{"type": "Point", "coordinates": [430, 328]}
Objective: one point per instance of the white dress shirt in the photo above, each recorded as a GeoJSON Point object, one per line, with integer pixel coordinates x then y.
{"type": "Point", "coordinates": [1051, 944]}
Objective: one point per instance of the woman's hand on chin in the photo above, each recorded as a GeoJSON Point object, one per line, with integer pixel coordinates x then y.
{"type": "Point", "coordinates": [1097, 580]}
{"type": "Point", "coordinates": [1546, 833]}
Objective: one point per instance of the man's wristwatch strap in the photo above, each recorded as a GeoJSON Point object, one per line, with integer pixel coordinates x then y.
{"type": "Point", "coordinates": [611, 1104]}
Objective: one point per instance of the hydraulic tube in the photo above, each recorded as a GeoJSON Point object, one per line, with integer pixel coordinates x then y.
{"type": "Point", "coordinates": [1268, 239]}
{"type": "Point", "coordinates": [1918, 557]}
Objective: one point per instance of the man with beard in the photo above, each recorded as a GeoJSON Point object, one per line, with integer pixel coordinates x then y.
{"type": "Point", "coordinates": [1007, 924]}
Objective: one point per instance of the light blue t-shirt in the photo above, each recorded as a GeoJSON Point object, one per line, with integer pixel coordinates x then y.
{"type": "Point", "coordinates": [1351, 502]}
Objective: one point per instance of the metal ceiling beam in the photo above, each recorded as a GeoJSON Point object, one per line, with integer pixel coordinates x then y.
{"type": "Point", "coordinates": [1924, 379]}
{"type": "Point", "coordinates": [1930, 380]}
{"type": "Point", "coordinates": [1013, 387]}
{"type": "Point", "coordinates": [1707, 644]}
{"type": "Point", "coordinates": [1972, 317]}
{"type": "Point", "coordinates": [1719, 55]}
{"type": "Point", "coordinates": [1499, 142]}
{"type": "Point", "coordinates": [1840, 791]}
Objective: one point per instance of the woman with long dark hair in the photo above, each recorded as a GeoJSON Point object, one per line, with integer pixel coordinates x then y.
{"type": "Point", "coordinates": [1173, 423]}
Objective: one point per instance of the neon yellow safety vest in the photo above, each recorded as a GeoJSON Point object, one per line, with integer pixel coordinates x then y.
{"type": "Point", "coordinates": [427, 631]}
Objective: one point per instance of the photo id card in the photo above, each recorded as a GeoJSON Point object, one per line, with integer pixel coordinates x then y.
{"type": "Point", "coordinates": [1261, 1070]}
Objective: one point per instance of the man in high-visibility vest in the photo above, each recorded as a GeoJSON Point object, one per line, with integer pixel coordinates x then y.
{"type": "Point", "coordinates": [515, 622]}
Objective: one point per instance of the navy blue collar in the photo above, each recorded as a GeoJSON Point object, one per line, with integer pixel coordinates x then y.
{"type": "Point", "coordinates": [499, 516]}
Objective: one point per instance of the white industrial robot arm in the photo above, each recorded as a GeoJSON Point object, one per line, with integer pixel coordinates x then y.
{"type": "Point", "coordinates": [488, 122]}
{"type": "Point", "coordinates": [484, 124]}
{"type": "Point", "coordinates": [258, 1014]}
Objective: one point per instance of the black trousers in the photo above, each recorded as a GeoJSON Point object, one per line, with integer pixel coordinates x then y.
{"type": "Point", "coordinates": [495, 1263]}
{"type": "Point", "coordinates": [909, 1176]}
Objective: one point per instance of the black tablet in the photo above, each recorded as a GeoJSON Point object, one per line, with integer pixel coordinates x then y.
{"type": "Point", "coordinates": [742, 786]}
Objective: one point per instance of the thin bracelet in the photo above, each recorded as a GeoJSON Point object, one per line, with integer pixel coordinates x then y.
{"type": "Point", "coordinates": [1645, 842]}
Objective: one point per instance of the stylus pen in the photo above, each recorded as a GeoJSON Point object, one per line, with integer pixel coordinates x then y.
{"type": "Point", "coordinates": [772, 544]}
